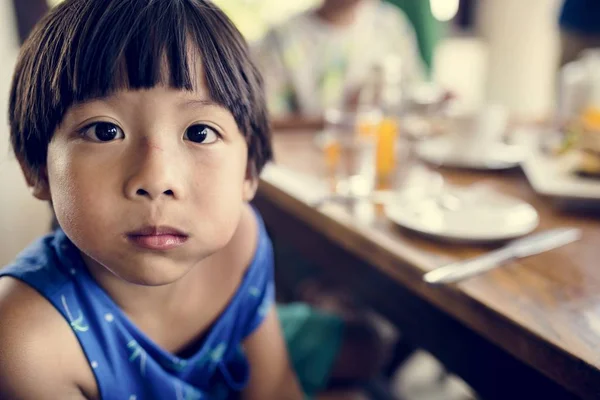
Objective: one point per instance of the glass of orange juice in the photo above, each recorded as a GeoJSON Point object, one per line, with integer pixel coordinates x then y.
{"type": "Point", "coordinates": [350, 149]}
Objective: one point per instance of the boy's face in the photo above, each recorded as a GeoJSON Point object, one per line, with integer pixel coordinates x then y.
{"type": "Point", "coordinates": [148, 183]}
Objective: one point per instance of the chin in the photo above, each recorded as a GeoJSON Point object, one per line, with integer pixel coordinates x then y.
{"type": "Point", "coordinates": [130, 264]}
{"type": "Point", "coordinates": [142, 269]}
{"type": "Point", "coordinates": [150, 275]}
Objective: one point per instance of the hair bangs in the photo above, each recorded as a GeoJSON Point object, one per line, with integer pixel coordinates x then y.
{"type": "Point", "coordinates": [87, 49]}
{"type": "Point", "coordinates": [139, 47]}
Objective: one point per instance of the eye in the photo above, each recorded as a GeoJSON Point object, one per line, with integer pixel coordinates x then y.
{"type": "Point", "coordinates": [201, 133]}
{"type": "Point", "coordinates": [103, 132]}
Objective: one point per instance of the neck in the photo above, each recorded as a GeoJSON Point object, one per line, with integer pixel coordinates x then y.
{"type": "Point", "coordinates": [335, 16]}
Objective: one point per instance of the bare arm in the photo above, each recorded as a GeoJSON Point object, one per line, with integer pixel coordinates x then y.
{"type": "Point", "coordinates": [271, 374]}
{"type": "Point", "coordinates": [38, 351]}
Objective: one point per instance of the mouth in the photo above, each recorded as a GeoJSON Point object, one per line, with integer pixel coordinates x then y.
{"type": "Point", "coordinates": [157, 237]}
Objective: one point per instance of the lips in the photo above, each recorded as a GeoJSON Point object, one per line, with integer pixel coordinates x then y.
{"type": "Point", "coordinates": [157, 237]}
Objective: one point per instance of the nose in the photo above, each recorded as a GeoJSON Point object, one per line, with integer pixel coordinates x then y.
{"type": "Point", "coordinates": [154, 174]}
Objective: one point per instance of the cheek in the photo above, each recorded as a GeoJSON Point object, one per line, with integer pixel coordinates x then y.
{"type": "Point", "coordinates": [76, 189]}
{"type": "Point", "coordinates": [221, 176]}
{"type": "Point", "coordinates": [216, 193]}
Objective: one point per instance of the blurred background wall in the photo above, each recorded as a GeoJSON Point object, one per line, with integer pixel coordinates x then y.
{"type": "Point", "coordinates": [522, 42]}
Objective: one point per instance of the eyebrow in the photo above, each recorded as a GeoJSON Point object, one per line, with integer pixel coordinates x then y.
{"type": "Point", "coordinates": [196, 103]}
{"type": "Point", "coordinates": [187, 104]}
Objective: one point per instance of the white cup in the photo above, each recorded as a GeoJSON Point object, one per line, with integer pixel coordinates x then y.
{"type": "Point", "coordinates": [490, 124]}
{"type": "Point", "coordinates": [486, 129]}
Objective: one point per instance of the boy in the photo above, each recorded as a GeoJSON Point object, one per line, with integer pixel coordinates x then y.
{"type": "Point", "coordinates": [143, 123]}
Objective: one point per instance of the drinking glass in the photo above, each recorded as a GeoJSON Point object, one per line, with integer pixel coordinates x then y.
{"type": "Point", "coordinates": [349, 145]}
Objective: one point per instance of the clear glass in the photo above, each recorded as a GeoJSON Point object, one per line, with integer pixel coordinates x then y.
{"type": "Point", "coordinates": [349, 148]}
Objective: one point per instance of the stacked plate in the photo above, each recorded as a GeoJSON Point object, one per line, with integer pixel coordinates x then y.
{"type": "Point", "coordinates": [451, 151]}
{"type": "Point", "coordinates": [475, 143]}
{"type": "Point", "coordinates": [464, 215]}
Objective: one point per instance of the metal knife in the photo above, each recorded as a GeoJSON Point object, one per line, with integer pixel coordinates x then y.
{"type": "Point", "coordinates": [525, 247]}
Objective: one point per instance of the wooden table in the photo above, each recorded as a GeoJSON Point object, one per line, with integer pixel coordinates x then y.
{"type": "Point", "coordinates": [529, 329]}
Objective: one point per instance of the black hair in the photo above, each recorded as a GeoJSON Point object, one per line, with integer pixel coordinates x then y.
{"type": "Point", "coordinates": [87, 49]}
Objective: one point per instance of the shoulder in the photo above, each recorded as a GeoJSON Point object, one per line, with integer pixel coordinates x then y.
{"type": "Point", "coordinates": [38, 350]}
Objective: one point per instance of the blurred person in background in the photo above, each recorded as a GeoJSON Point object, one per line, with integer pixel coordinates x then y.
{"type": "Point", "coordinates": [580, 28]}
{"type": "Point", "coordinates": [321, 58]}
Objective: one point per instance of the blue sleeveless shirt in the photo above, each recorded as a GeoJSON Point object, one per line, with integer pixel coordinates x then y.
{"type": "Point", "coordinates": [127, 365]}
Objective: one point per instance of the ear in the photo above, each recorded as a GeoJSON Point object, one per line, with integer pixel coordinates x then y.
{"type": "Point", "coordinates": [250, 182]}
{"type": "Point", "coordinates": [37, 183]}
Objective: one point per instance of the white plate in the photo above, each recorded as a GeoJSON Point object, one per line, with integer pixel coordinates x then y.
{"type": "Point", "coordinates": [490, 217]}
{"type": "Point", "coordinates": [450, 152]}
{"type": "Point", "coordinates": [553, 176]}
